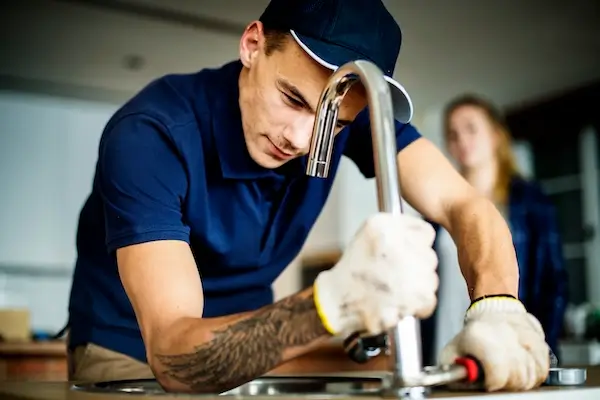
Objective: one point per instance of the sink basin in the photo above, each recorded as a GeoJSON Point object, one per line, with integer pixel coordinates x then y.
{"type": "Point", "coordinates": [329, 386]}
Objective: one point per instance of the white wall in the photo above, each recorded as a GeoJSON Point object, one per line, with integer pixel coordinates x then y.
{"type": "Point", "coordinates": [48, 149]}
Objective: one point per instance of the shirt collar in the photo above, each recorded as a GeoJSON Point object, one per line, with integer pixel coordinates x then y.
{"type": "Point", "coordinates": [235, 160]}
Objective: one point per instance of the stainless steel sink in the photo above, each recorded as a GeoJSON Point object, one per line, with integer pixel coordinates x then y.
{"type": "Point", "coordinates": [322, 386]}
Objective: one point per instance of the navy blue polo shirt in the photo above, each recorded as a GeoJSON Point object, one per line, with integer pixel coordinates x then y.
{"type": "Point", "coordinates": [173, 164]}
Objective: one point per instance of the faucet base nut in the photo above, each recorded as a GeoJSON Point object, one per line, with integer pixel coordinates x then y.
{"type": "Point", "coordinates": [406, 393]}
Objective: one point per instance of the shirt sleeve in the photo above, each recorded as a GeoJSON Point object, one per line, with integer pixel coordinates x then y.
{"type": "Point", "coordinates": [359, 146]}
{"type": "Point", "coordinates": [142, 182]}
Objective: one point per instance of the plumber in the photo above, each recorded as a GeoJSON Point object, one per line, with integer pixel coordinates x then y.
{"type": "Point", "coordinates": [200, 200]}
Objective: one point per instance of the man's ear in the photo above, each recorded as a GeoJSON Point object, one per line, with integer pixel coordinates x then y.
{"type": "Point", "coordinates": [251, 43]}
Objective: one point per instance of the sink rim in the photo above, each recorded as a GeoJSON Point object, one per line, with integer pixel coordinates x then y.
{"type": "Point", "coordinates": [356, 386]}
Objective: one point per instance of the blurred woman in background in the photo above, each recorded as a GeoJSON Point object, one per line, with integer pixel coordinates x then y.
{"type": "Point", "coordinates": [478, 140]}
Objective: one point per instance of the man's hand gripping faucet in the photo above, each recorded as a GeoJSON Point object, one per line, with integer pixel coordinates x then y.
{"type": "Point", "coordinates": [389, 271]}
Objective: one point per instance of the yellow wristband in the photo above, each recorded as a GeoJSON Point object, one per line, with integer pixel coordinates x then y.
{"type": "Point", "coordinates": [495, 304]}
{"type": "Point", "coordinates": [495, 297]}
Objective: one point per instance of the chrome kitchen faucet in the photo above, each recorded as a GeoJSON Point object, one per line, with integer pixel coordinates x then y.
{"type": "Point", "coordinates": [409, 380]}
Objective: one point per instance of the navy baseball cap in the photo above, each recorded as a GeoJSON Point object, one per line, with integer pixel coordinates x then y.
{"type": "Point", "coordinates": [334, 32]}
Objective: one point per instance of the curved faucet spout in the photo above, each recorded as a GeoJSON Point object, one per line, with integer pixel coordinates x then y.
{"type": "Point", "coordinates": [382, 128]}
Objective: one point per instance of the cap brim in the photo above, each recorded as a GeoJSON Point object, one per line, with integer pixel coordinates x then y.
{"type": "Point", "coordinates": [332, 57]}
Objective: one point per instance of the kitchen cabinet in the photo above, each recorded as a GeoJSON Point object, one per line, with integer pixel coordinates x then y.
{"type": "Point", "coordinates": [33, 361]}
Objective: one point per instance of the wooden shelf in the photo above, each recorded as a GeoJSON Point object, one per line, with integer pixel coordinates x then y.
{"type": "Point", "coordinates": [43, 349]}
{"type": "Point", "coordinates": [33, 361]}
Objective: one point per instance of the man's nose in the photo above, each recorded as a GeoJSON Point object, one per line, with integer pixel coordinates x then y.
{"type": "Point", "coordinates": [299, 133]}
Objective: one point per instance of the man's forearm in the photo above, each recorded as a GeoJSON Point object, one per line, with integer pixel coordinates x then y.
{"type": "Point", "coordinates": [214, 355]}
{"type": "Point", "coordinates": [485, 249]}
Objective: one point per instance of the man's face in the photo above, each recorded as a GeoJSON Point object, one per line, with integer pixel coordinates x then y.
{"type": "Point", "coordinates": [278, 98]}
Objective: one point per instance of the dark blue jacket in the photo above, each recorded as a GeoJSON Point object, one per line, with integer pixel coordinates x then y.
{"type": "Point", "coordinates": [543, 278]}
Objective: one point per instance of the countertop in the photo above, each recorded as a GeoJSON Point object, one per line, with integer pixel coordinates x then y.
{"type": "Point", "coordinates": [62, 391]}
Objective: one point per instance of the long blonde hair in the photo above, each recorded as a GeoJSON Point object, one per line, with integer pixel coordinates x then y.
{"type": "Point", "coordinates": [507, 166]}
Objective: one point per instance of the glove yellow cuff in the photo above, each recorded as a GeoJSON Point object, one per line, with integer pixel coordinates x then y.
{"type": "Point", "coordinates": [319, 307]}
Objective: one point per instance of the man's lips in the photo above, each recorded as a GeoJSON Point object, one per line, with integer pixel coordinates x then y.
{"type": "Point", "coordinates": [278, 152]}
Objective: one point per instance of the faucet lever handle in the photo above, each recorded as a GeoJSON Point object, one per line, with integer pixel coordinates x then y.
{"type": "Point", "coordinates": [361, 347]}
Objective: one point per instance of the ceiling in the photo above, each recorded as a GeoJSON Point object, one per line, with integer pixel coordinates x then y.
{"type": "Point", "coordinates": [510, 50]}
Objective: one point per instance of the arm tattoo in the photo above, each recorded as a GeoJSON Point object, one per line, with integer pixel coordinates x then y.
{"type": "Point", "coordinates": [248, 348]}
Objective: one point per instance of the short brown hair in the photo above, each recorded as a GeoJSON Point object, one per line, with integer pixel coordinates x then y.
{"type": "Point", "coordinates": [275, 39]}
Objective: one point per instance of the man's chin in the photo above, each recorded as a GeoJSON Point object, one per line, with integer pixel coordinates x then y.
{"type": "Point", "coordinates": [272, 164]}
{"type": "Point", "coordinates": [267, 161]}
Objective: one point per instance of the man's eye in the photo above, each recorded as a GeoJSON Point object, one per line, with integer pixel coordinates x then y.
{"type": "Point", "coordinates": [293, 101]}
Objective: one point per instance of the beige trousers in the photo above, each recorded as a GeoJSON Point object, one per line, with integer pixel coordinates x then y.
{"type": "Point", "coordinates": [92, 363]}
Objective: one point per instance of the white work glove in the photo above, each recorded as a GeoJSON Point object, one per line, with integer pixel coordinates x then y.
{"type": "Point", "coordinates": [387, 272]}
{"type": "Point", "coordinates": [508, 342]}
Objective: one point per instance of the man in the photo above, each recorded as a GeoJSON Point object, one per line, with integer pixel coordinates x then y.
{"type": "Point", "coordinates": [200, 200]}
